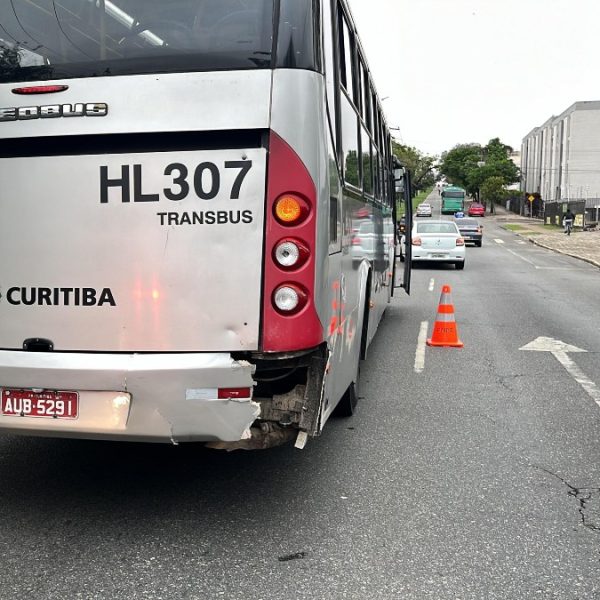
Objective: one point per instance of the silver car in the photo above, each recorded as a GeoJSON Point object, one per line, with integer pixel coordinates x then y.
{"type": "Point", "coordinates": [438, 241]}
{"type": "Point", "coordinates": [424, 210]}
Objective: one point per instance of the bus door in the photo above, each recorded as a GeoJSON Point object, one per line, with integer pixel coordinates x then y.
{"type": "Point", "coordinates": [403, 187]}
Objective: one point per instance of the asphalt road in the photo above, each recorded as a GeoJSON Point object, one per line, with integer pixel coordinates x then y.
{"type": "Point", "coordinates": [477, 478]}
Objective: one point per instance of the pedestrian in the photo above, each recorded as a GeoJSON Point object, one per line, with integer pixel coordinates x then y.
{"type": "Point", "coordinates": [568, 221]}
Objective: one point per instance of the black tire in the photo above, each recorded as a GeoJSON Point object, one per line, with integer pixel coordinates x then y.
{"type": "Point", "coordinates": [478, 244]}
{"type": "Point", "coordinates": [460, 266]}
{"type": "Point", "coordinates": [347, 405]}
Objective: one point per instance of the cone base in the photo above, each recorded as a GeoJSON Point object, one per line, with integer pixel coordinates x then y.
{"type": "Point", "coordinates": [457, 344]}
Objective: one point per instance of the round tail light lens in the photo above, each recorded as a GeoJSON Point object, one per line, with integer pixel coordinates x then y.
{"type": "Point", "coordinates": [290, 209]}
{"type": "Point", "coordinates": [289, 299]}
{"type": "Point", "coordinates": [291, 254]}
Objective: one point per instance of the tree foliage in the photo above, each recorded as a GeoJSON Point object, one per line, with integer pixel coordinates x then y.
{"type": "Point", "coordinates": [492, 191]}
{"type": "Point", "coordinates": [471, 165]}
{"type": "Point", "coordinates": [420, 165]}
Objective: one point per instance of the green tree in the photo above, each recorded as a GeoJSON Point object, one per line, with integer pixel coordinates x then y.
{"type": "Point", "coordinates": [459, 166]}
{"type": "Point", "coordinates": [492, 191]}
{"type": "Point", "coordinates": [421, 166]}
{"type": "Point", "coordinates": [471, 165]}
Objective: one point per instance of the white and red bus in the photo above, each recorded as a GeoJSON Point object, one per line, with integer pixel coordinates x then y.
{"type": "Point", "coordinates": [196, 233]}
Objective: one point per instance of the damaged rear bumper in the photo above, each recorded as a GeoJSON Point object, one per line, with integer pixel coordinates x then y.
{"type": "Point", "coordinates": [136, 397]}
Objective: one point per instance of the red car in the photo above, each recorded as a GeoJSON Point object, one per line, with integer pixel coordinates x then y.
{"type": "Point", "coordinates": [476, 210]}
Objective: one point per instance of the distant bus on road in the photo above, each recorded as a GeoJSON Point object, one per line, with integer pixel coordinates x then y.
{"type": "Point", "coordinates": [453, 200]}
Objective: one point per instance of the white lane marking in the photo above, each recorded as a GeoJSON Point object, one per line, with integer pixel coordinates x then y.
{"type": "Point", "coordinates": [579, 376]}
{"type": "Point", "coordinates": [431, 285]}
{"type": "Point", "coordinates": [560, 268]}
{"type": "Point", "coordinates": [521, 257]}
{"type": "Point", "coordinates": [420, 353]}
{"type": "Point", "coordinates": [498, 241]}
{"type": "Point", "coordinates": [561, 351]}
{"type": "Point", "coordinates": [539, 268]}
{"type": "Point", "coordinates": [521, 242]}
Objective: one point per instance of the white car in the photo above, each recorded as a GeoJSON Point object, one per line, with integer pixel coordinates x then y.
{"type": "Point", "coordinates": [438, 241]}
{"type": "Point", "coordinates": [424, 210]}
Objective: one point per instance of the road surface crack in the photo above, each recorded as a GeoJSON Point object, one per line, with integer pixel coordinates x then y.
{"type": "Point", "coordinates": [584, 496]}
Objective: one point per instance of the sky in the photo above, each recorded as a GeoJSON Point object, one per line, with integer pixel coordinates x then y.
{"type": "Point", "coordinates": [462, 71]}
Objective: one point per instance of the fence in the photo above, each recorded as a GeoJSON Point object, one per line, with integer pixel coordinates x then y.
{"type": "Point", "coordinates": [554, 211]}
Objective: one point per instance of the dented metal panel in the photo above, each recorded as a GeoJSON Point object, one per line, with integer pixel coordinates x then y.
{"type": "Point", "coordinates": [160, 407]}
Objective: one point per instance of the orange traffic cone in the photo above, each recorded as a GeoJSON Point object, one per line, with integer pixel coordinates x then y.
{"type": "Point", "coordinates": [444, 328]}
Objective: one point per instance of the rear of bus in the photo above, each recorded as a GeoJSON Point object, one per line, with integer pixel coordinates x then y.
{"type": "Point", "coordinates": [453, 200]}
{"type": "Point", "coordinates": [158, 238]}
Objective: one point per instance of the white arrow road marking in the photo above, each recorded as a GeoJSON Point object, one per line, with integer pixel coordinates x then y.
{"type": "Point", "coordinates": [561, 351]}
{"type": "Point", "coordinates": [498, 241]}
{"type": "Point", "coordinates": [431, 285]}
{"type": "Point", "coordinates": [420, 353]}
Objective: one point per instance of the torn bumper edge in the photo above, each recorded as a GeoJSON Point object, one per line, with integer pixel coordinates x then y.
{"type": "Point", "coordinates": [164, 405]}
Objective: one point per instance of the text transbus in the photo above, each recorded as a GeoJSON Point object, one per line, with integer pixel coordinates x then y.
{"type": "Point", "coordinates": [197, 198]}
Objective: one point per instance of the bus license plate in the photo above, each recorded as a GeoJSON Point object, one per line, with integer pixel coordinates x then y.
{"type": "Point", "coordinates": [47, 403]}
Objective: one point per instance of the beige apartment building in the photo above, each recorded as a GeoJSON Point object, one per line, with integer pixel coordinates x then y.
{"type": "Point", "coordinates": [560, 160]}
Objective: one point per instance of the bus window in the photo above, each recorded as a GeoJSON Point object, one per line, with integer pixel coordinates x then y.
{"type": "Point", "coordinates": [297, 45]}
{"type": "Point", "coordinates": [347, 58]}
{"type": "Point", "coordinates": [82, 39]}
{"type": "Point", "coordinates": [350, 143]}
{"type": "Point", "coordinates": [367, 164]}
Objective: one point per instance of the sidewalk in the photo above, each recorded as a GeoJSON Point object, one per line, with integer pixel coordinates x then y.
{"type": "Point", "coordinates": [584, 245]}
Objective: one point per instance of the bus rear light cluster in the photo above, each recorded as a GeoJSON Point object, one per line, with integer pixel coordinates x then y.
{"type": "Point", "coordinates": [290, 320]}
{"type": "Point", "coordinates": [290, 299]}
{"type": "Point", "coordinates": [291, 254]}
{"type": "Point", "coordinates": [291, 209]}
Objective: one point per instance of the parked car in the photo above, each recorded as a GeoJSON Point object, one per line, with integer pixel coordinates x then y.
{"type": "Point", "coordinates": [476, 210]}
{"type": "Point", "coordinates": [471, 231]}
{"type": "Point", "coordinates": [437, 241]}
{"type": "Point", "coordinates": [424, 210]}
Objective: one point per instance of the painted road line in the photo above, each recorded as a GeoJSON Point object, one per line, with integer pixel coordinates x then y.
{"type": "Point", "coordinates": [561, 351]}
{"type": "Point", "coordinates": [499, 241]}
{"type": "Point", "coordinates": [420, 353]}
{"type": "Point", "coordinates": [521, 257]}
{"type": "Point", "coordinates": [539, 268]}
{"type": "Point", "coordinates": [579, 376]}
{"type": "Point", "coordinates": [431, 285]}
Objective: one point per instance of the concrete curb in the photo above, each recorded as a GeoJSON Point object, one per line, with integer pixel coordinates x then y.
{"type": "Point", "coordinates": [535, 242]}
{"type": "Point", "coordinates": [587, 260]}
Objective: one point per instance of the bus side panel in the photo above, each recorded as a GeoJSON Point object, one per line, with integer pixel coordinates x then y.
{"type": "Point", "coordinates": [299, 117]}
